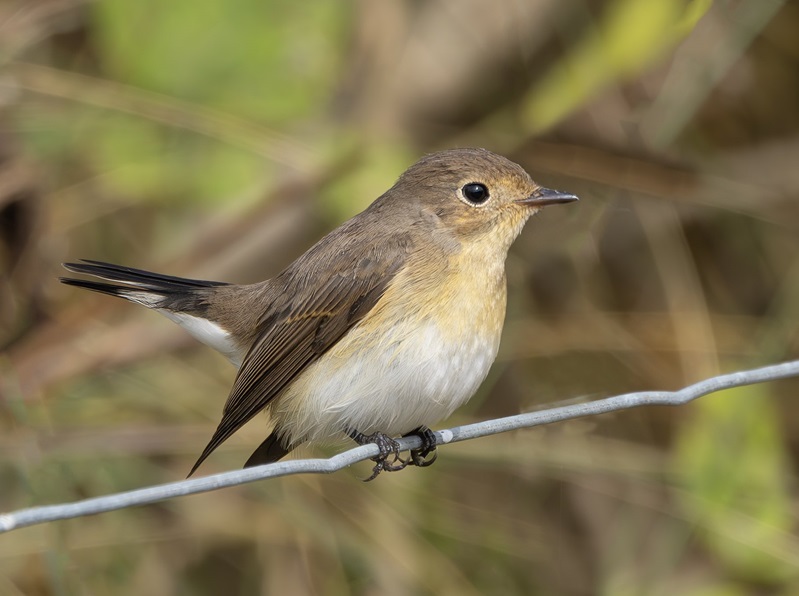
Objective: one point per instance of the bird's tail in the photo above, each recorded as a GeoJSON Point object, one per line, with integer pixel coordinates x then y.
{"type": "Point", "coordinates": [153, 290]}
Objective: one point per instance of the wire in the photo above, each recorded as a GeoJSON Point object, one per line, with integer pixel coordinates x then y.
{"type": "Point", "coordinates": [153, 494]}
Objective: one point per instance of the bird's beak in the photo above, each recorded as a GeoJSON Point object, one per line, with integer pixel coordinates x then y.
{"type": "Point", "coordinates": [546, 196]}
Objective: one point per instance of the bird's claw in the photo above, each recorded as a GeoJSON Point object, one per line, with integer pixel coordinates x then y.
{"type": "Point", "coordinates": [386, 460]}
{"type": "Point", "coordinates": [389, 460]}
{"type": "Point", "coordinates": [419, 457]}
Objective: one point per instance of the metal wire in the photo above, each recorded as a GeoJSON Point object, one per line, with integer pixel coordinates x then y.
{"type": "Point", "coordinates": [153, 494]}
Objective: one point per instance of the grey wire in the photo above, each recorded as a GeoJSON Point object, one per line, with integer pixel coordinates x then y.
{"type": "Point", "coordinates": [153, 494]}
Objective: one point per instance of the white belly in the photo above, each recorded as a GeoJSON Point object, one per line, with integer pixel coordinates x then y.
{"type": "Point", "coordinates": [412, 376]}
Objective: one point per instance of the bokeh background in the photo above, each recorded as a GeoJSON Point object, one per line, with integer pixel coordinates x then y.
{"type": "Point", "coordinates": [217, 139]}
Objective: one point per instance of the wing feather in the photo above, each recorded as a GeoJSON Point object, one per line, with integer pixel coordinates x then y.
{"type": "Point", "coordinates": [295, 336]}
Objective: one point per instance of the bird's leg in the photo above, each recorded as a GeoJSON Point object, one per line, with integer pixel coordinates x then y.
{"type": "Point", "coordinates": [419, 456]}
{"type": "Point", "coordinates": [387, 446]}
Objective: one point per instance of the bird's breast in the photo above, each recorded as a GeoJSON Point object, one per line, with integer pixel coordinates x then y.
{"type": "Point", "coordinates": [422, 351]}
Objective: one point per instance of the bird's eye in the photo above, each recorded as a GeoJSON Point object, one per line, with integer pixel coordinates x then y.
{"type": "Point", "coordinates": [475, 192]}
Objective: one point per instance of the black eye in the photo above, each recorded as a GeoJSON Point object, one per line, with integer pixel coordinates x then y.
{"type": "Point", "coordinates": [476, 193]}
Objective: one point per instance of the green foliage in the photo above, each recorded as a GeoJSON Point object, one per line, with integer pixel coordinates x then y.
{"type": "Point", "coordinates": [177, 74]}
{"type": "Point", "coordinates": [269, 61]}
{"type": "Point", "coordinates": [627, 39]}
{"type": "Point", "coordinates": [730, 459]}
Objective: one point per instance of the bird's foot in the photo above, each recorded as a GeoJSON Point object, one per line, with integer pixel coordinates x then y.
{"type": "Point", "coordinates": [389, 448]}
{"type": "Point", "coordinates": [419, 457]}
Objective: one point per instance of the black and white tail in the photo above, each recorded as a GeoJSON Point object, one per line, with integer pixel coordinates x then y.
{"type": "Point", "coordinates": [153, 290]}
{"type": "Point", "coordinates": [184, 301]}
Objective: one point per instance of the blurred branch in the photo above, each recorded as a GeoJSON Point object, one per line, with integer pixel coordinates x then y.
{"type": "Point", "coordinates": [696, 73]}
{"type": "Point", "coordinates": [734, 188]}
{"type": "Point", "coordinates": [153, 494]}
{"type": "Point", "coordinates": [609, 53]}
{"type": "Point", "coordinates": [164, 109]}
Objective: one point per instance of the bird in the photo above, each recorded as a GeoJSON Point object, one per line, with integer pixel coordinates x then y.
{"type": "Point", "coordinates": [381, 329]}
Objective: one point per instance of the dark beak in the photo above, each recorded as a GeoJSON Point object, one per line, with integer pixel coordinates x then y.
{"type": "Point", "coordinates": [547, 196]}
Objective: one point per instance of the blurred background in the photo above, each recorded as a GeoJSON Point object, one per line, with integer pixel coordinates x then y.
{"type": "Point", "coordinates": [219, 140]}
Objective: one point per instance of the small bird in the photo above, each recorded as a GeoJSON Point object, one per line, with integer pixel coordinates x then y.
{"type": "Point", "coordinates": [381, 329]}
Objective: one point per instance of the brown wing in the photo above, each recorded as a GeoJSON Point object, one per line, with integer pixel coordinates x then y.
{"type": "Point", "coordinates": [295, 332]}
